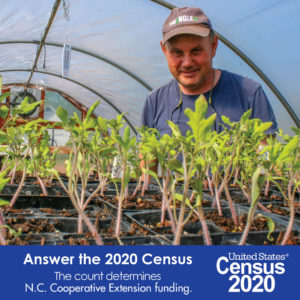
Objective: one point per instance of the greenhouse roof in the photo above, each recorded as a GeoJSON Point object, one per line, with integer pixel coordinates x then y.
{"type": "Point", "coordinates": [116, 54]}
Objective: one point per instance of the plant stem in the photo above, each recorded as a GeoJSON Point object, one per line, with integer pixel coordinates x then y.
{"type": "Point", "coordinates": [248, 225]}
{"type": "Point", "coordinates": [217, 200]}
{"type": "Point", "coordinates": [87, 221]}
{"type": "Point", "coordinates": [2, 239]}
{"type": "Point", "coordinates": [91, 196]}
{"type": "Point", "coordinates": [292, 212]}
{"type": "Point", "coordinates": [42, 185]}
{"type": "Point", "coordinates": [4, 164]}
{"type": "Point", "coordinates": [126, 194]}
{"type": "Point", "coordinates": [165, 197]}
{"type": "Point", "coordinates": [231, 205]}
{"type": "Point", "coordinates": [119, 213]}
{"type": "Point", "coordinates": [263, 208]}
{"type": "Point", "coordinates": [74, 201]}
{"type": "Point", "coordinates": [13, 172]}
{"type": "Point", "coordinates": [203, 223]}
{"type": "Point", "coordinates": [267, 188]}
{"type": "Point", "coordinates": [2, 230]}
{"type": "Point", "coordinates": [137, 187]}
{"type": "Point", "coordinates": [14, 199]}
{"type": "Point", "coordinates": [209, 184]}
{"type": "Point", "coordinates": [247, 194]}
{"type": "Point", "coordinates": [180, 223]}
{"type": "Point", "coordinates": [236, 175]}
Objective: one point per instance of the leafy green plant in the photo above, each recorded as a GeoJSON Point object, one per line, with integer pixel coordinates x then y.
{"type": "Point", "coordinates": [190, 148]}
{"type": "Point", "coordinates": [3, 182]}
{"type": "Point", "coordinates": [257, 182]}
{"type": "Point", "coordinates": [163, 149]}
{"type": "Point", "coordinates": [124, 145]}
{"type": "Point", "coordinates": [236, 139]}
{"type": "Point", "coordinates": [13, 137]}
{"type": "Point", "coordinates": [147, 159]}
{"type": "Point", "coordinates": [136, 170]}
{"type": "Point", "coordinates": [249, 157]}
{"type": "Point", "coordinates": [78, 163]}
{"type": "Point", "coordinates": [102, 156]}
{"type": "Point", "coordinates": [284, 161]}
{"type": "Point", "coordinates": [42, 160]}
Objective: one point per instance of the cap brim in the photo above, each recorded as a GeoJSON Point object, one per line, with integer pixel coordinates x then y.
{"type": "Point", "coordinates": [195, 30]}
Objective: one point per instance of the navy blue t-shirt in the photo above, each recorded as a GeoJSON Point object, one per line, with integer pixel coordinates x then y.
{"type": "Point", "coordinates": [232, 96]}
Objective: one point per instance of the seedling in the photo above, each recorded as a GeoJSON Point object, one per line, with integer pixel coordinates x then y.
{"type": "Point", "coordinates": [284, 159]}
{"type": "Point", "coordinates": [78, 163]}
{"type": "Point", "coordinates": [190, 147]}
{"type": "Point", "coordinates": [124, 145]}
{"type": "Point", "coordinates": [3, 182]}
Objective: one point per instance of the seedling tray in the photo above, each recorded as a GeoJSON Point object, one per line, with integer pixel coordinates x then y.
{"type": "Point", "coordinates": [58, 202]}
{"type": "Point", "coordinates": [33, 189]}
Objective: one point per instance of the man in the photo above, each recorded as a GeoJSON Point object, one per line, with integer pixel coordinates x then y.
{"type": "Point", "coordinates": [189, 44]}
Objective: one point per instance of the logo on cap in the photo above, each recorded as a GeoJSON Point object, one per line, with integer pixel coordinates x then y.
{"type": "Point", "coordinates": [183, 19]}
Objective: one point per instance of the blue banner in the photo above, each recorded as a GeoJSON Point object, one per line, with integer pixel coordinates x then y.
{"type": "Point", "coordinates": [169, 272]}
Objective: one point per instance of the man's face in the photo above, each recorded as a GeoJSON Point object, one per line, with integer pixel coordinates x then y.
{"type": "Point", "coordinates": [190, 61]}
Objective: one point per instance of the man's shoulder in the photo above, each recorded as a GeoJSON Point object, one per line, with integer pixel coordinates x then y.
{"type": "Point", "coordinates": [246, 83]}
{"type": "Point", "coordinates": [163, 91]}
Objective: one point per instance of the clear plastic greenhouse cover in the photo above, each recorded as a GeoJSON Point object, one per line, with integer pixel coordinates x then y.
{"type": "Point", "coordinates": [116, 53]}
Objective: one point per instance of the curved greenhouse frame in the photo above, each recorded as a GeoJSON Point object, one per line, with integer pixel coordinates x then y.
{"type": "Point", "coordinates": [116, 55]}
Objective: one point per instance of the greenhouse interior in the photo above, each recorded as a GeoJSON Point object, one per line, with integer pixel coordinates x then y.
{"type": "Point", "coordinates": [78, 167]}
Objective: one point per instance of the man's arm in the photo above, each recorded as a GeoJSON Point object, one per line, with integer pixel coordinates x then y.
{"type": "Point", "coordinates": [262, 109]}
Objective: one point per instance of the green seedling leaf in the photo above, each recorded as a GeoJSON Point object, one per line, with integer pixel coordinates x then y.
{"type": "Point", "coordinates": [77, 119]}
{"type": "Point", "coordinates": [174, 128]}
{"type": "Point", "coordinates": [3, 182]}
{"type": "Point", "coordinates": [174, 164]}
{"type": "Point", "coordinates": [226, 121]}
{"type": "Point", "coordinates": [126, 134]}
{"type": "Point", "coordinates": [151, 173]}
{"type": "Point", "coordinates": [26, 107]}
{"type": "Point", "coordinates": [245, 116]}
{"type": "Point", "coordinates": [198, 201]}
{"type": "Point", "coordinates": [62, 114]}
{"type": "Point", "coordinates": [198, 186]}
{"type": "Point", "coordinates": [263, 127]}
{"type": "Point", "coordinates": [31, 125]}
{"type": "Point", "coordinates": [127, 177]}
{"type": "Point", "coordinates": [69, 166]}
{"type": "Point", "coordinates": [4, 96]}
{"type": "Point", "coordinates": [239, 183]}
{"type": "Point", "coordinates": [91, 124]}
{"type": "Point", "coordinates": [206, 127]}
{"type": "Point", "coordinates": [199, 114]}
{"type": "Point", "coordinates": [102, 123]}
{"type": "Point", "coordinates": [199, 125]}
{"type": "Point", "coordinates": [4, 110]}
{"type": "Point", "coordinates": [91, 110]}
{"type": "Point", "coordinates": [255, 189]}
{"type": "Point", "coordinates": [179, 197]}
{"type": "Point", "coordinates": [12, 232]}
{"type": "Point", "coordinates": [290, 147]}
{"type": "Point", "coordinates": [120, 141]}
{"type": "Point", "coordinates": [271, 227]}
{"type": "Point", "coordinates": [4, 202]}
{"type": "Point", "coordinates": [296, 130]}
{"type": "Point", "coordinates": [3, 137]}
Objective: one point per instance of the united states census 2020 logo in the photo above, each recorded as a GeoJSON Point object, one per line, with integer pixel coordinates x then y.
{"type": "Point", "coordinates": [252, 273]}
